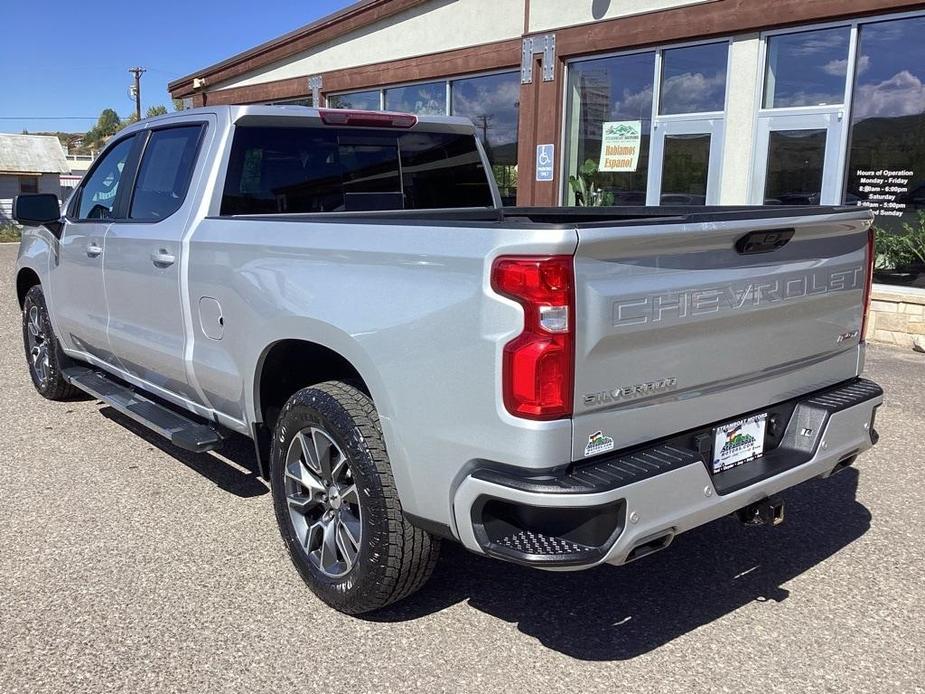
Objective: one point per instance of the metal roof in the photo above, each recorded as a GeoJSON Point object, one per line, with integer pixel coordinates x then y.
{"type": "Point", "coordinates": [31, 154]}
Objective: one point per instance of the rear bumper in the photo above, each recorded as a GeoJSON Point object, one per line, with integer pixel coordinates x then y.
{"type": "Point", "coordinates": [619, 507]}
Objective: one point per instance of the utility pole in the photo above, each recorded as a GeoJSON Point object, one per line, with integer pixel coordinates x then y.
{"type": "Point", "coordinates": [136, 89]}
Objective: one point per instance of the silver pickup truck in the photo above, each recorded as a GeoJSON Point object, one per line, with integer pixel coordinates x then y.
{"type": "Point", "coordinates": [554, 387]}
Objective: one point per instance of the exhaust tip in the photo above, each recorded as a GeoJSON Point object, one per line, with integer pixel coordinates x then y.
{"type": "Point", "coordinates": [648, 547]}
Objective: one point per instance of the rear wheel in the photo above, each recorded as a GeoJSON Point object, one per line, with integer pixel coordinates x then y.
{"type": "Point", "coordinates": [43, 354]}
{"type": "Point", "coordinates": [336, 503]}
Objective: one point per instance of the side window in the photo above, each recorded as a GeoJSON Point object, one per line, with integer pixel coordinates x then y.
{"type": "Point", "coordinates": [98, 194]}
{"type": "Point", "coordinates": [165, 172]}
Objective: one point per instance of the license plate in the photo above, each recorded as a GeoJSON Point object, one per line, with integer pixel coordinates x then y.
{"type": "Point", "coordinates": [738, 442]}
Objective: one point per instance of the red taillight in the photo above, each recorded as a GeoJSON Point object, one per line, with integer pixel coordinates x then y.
{"type": "Point", "coordinates": [369, 119]}
{"type": "Point", "coordinates": [868, 287]}
{"type": "Point", "coordinates": [537, 378]}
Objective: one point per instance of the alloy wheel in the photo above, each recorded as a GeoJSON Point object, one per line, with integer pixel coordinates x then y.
{"type": "Point", "coordinates": [38, 344]}
{"type": "Point", "coordinates": [324, 506]}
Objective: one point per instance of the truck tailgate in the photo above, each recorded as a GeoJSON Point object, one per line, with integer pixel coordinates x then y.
{"type": "Point", "coordinates": [678, 328]}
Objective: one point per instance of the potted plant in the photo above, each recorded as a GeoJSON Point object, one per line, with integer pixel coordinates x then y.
{"type": "Point", "coordinates": [586, 188]}
{"type": "Point", "coordinates": [901, 255]}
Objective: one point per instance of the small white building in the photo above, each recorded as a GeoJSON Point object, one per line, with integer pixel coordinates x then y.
{"type": "Point", "coordinates": [29, 164]}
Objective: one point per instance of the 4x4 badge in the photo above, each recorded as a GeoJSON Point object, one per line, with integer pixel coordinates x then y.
{"type": "Point", "coordinates": [598, 443]}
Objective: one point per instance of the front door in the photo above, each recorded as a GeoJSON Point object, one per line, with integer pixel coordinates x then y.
{"type": "Point", "coordinates": [797, 159]}
{"type": "Point", "coordinates": [144, 258]}
{"type": "Point", "coordinates": [78, 297]}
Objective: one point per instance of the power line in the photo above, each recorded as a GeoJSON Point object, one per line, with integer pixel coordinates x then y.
{"type": "Point", "coordinates": [48, 117]}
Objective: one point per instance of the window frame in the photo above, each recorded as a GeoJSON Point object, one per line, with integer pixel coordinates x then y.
{"type": "Point", "coordinates": [130, 168]}
{"type": "Point", "coordinates": [845, 108]}
{"type": "Point", "coordinates": [655, 118]}
{"type": "Point", "coordinates": [148, 134]}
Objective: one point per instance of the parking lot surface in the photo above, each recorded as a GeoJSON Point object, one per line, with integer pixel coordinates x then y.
{"type": "Point", "coordinates": [130, 566]}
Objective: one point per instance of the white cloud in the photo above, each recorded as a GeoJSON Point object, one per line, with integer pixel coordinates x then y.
{"type": "Point", "coordinates": [820, 41]}
{"type": "Point", "coordinates": [500, 104]}
{"type": "Point", "coordinates": [635, 104]}
{"type": "Point", "coordinates": [903, 94]}
{"type": "Point", "coordinates": [839, 68]}
{"type": "Point", "coordinates": [692, 92]}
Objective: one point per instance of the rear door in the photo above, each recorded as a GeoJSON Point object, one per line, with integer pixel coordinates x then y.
{"type": "Point", "coordinates": [147, 328]}
{"type": "Point", "coordinates": [678, 328]}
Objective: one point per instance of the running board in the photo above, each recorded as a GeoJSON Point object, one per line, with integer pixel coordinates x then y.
{"type": "Point", "coordinates": [182, 431]}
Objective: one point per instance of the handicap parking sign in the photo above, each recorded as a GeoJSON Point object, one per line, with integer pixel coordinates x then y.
{"type": "Point", "coordinates": [544, 162]}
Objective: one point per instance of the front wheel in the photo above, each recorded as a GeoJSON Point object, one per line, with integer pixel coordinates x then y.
{"type": "Point", "coordinates": [336, 503]}
{"type": "Point", "coordinates": [43, 354]}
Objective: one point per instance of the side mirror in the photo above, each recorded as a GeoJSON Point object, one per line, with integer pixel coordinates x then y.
{"type": "Point", "coordinates": [39, 209]}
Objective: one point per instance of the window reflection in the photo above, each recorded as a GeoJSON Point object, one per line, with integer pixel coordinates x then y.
{"type": "Point", "coordinates": [424, 99]}
{"type": "Point", "coordinates": [808, 68]}
{"type": "Point", "coordinates": [795, 163]}
{"type": "Point", "coordinates": [886, 169]}
{"type": "Point", "coordinates": [491, 102]}
{"type": "Point", "coordinates": [361, 101]}
{"type": "Point", "coordinates": [685, 169]}
{"type": "Point", "coordinates": [609, 90]}
{"type": "Point", "coordinates": [694, 79]}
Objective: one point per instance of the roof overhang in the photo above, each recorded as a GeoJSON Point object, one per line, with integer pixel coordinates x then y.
{"type": "Point", "coordinates": [349, 19]}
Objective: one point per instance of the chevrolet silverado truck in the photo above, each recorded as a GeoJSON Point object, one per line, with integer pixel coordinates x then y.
{"type": "Point", "coordinates": [554, 387]}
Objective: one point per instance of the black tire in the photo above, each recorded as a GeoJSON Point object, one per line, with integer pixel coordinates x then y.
{"type": "Point", "coordinates": [45, 366]}
{"type": "Point", "coordinates": [393, 558]}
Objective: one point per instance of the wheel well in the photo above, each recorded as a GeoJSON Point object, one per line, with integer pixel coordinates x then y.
{"type": "Point", "coordinates": [25, 280]}
{"type": "Point", "coordinates": [294, 364]}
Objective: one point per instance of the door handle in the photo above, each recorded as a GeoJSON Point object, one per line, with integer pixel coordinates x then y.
{"type": "Point", "coordinates": [94, 250]}
{"type": "Point", "coordinates": [163, 259]}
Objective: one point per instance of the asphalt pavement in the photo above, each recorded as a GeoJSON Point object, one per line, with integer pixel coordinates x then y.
{"type": "Point", "coordinates": [130, 566]}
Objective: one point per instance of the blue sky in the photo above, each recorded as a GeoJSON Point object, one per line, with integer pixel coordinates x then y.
{"type": "Point", "coordinates": [66, 61]}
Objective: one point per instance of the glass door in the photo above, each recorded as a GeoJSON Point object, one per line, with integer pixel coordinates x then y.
{"type": "Point", "coordinates": [797, 160]}
{"type": "Point", "coordinates": [686, 161]}
{"type": "Point", "coordinates": [801, 120]}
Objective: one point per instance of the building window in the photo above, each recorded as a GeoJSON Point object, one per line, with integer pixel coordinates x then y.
{"type": "Point", "coordinates": [28, 184]}
{"type": "Point", "coordinates": [428, 99]}
{"type": "Point", "coordinates": [619, 153]}
{"type": "Point", "coordinates": [802, 120]}
{"type": "Point", "coordinates": [492, 103]}
{"type": "Point", "coordinates": [886, 156]}
{"type": "Point", "coordinates": [301, 101]}
{"type": "Point", "coordinates": [807, 68]}
{"type": "Point", "coordinates": [694, 79]}
{"type": "Point", "coordinates": [360, 101]}
{"type": "Point", "coordinates": [610, 97]}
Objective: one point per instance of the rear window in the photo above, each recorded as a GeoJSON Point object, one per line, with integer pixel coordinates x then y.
{"type": "Point", "coordinates": [276, 170]}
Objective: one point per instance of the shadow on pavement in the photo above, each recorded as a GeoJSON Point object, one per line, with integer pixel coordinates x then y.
{"type": "Point", "coordinates": [239, 477]}
{"type": "Point", "coordinates": [610, 612]}
{"type": "Point", "coordinates": [617, 613]}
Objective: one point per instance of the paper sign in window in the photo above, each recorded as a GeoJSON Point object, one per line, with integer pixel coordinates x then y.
{"type": "Point", "coordinates": [620, 144]}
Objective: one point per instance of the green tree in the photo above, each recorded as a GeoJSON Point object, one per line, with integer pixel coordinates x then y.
{"type": "Point", "coordinates": [107, 125]}
{"type": "Point", "coordinates": [178, 105]}
{"type": "Point", "coordinates": [158, 110]}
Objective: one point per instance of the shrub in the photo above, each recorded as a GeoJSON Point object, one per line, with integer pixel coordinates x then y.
{"type": "Point", "coordinates": [9, 232]}
{"type": "Point", "coordinates": [904, 248]}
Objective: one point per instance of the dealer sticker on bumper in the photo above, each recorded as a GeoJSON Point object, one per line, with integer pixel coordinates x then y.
{"type": "Point", "coordinates": [738, 442]}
